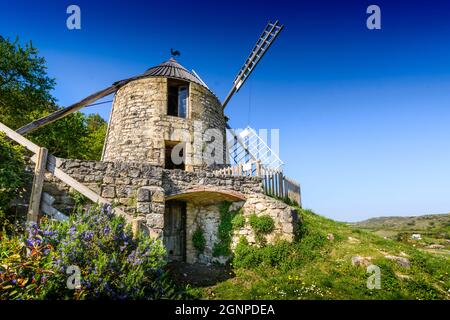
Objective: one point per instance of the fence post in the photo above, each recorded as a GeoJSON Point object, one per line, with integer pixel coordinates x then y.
{"type": "Point", "coordinates": [258, 168]}
{"type": "Point", "coordinates": [280, 183]}
{"type": "Point", "coordinates": [136, 226]}
{"type": "Point", "coordinates": [38, 183]}
{"type": "Point", "coordinates": [272, 177]}
{"type": "Point", "coordinates": [299, 196]}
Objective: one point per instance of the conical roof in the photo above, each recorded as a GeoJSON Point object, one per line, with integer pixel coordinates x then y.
{"type": "Point", "coordinates": [172, 69]}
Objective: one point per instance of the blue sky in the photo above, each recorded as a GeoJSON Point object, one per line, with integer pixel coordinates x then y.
{"type": "Point", "coordinates": [363, 115]}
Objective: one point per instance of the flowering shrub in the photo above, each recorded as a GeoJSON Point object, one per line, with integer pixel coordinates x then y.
{"type": "Point", "coordinates": [24, 270]}
{"type": "Point", "coordinates": [100, 245]}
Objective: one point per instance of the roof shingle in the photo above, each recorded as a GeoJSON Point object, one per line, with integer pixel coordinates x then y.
{"type": "Point", "coordinates": [172, 69]}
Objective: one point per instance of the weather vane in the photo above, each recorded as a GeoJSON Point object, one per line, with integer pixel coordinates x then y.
{"type": "Point", "coordinates": [174, 53]}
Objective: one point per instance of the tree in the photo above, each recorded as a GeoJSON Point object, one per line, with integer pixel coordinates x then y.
{"type": "Point", "coordinates": [96, 127]}
{"type": "Point", "coordinates": [12, 179]}
{"type": "Point", "coordinates": [25, 95]}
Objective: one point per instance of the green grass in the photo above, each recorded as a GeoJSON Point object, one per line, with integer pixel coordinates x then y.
{"type": "Point", "coordinates": [434, 230]}
{"type": "Point", "coordinates": [314, 267]}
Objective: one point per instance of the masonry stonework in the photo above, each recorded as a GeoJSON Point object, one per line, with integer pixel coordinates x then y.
{"type": "Point", "coordinates": [142, 189]}
{"type": "Point", "coordinates": [139, 125]}
{"type": "Point", "coordinates": [171, 204]}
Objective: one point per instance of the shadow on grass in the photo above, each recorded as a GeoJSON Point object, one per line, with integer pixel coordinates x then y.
{"type": "Point", "coordinates": [199, 275]}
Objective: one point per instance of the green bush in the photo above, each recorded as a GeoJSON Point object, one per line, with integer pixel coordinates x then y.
{"type": "Point", "coordinates": [248, 256]}
{"type": "Point", "coordinates": [198, 240]}
{"type": "Point", "coordinates": [113, 264]}
{"type": "Point", "coordinates": [261, 225]}
{"type": "Point", "coordinates": [12, 179]}
{"type": "Point", "coordinates": [12, 168]}
{"type": "Point", "coordinates": [238, 221]}
{"type": "Point", "coordinates": [225, 230]}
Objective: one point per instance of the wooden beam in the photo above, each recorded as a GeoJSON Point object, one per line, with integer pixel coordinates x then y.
{"type": "Point", "coordinates": [52, 167]}
{"type": "Point", "coordinates": [47, 208]}
{"type": "Point", "coordinates": [44, 161]}
{"type": "Point", "coordinates": [38, 183]}
{"type": "Point", "coordinates": [61, 113]}
{"type": "Point", "coordinates": [10, 133]}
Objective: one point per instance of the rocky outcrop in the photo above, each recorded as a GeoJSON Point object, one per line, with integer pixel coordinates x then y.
{"type": "Point", "coordinates": [361, 261]}
{"type": "Point", "coordinates": [401, 261]}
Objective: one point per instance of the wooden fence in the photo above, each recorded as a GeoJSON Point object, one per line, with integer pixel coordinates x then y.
{"type": "Point", "coordinates": [273, 180]}
{"type": "Point", "coordinates": [46, 162]}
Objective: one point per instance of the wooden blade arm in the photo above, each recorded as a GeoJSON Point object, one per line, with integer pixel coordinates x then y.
{"type": "Point", "coordinates": [61, 113]}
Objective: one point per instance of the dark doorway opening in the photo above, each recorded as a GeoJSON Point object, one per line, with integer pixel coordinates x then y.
{"type": "Point", "coordinates": [175, 230]}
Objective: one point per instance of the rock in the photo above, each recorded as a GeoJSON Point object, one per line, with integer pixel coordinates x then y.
{"type": "Point", "coordinates": [353, 240]}
{"type": "Point", "coordinates": [330, 236]}
{"type": "Point", "coordinates": [124, 191]}
{"type": "Point", "coordinates": [108, 192]}
{"type": "Point", "coordinates": [436, 246]}
{"type": "Point", "coordinates": [287, 228]}
{"type": "Point", "coordinates": [143, 207]}
{"type": "Point", "coordinates": [403, 276]}
{"type": "Point", "coordinates": [108, 180]}
{"type": "Point", "coordinates": [156, 233]}
{"type": "Point", "coordinates": [361, 261]}
{"type": "Point", "coordinates": [143, 195]}
{"type": "Point", "coordinates": [260, 207]}
{"type": "Point", "coordinates": [155, 220]}
{"type": "Point", "coordinates": [401, 261]}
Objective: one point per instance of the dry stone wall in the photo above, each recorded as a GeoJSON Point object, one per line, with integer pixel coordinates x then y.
{"type": "Point", "coordinates": [141, 190]}
{"type": "Point", "coordinates": [284, 216]}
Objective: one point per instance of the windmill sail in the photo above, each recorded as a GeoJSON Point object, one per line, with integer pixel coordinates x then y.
{"type": "Point", "coordinates": [247, 146]}
{"type": "Point", "coordinates": [270, 33]}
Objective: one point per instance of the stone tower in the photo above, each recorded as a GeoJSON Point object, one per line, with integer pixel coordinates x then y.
{"type": "Point", "coordinates": [164, 112]}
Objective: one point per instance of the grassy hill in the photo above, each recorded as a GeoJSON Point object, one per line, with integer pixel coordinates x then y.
{"type": "Point", "coordinates": [411, 223]}
{"type": "Point", "coordinates": [319, 266]}
{"type": "Point", "coordinates": [434, 231]}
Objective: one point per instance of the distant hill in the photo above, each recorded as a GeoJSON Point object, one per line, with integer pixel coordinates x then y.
{"type": "Point", "coordinates": [433, 231]}
{"type": "Point", "coordinates": [410, 223]}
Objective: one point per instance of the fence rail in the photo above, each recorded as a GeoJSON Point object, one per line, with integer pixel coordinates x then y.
{"type": "Point", "coordinates": [44, 161]}
{"type": "Point", "coordinates": [275, 183]}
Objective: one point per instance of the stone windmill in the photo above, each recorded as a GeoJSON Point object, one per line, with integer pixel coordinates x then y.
{"type": "Point", "coordinates": [166, 162]}
{"type": "Point", "coordinates": [169, 107]}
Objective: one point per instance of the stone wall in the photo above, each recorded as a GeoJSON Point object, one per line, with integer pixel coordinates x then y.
{"type": "Point", "coordinates": [206, 217]}
{"type": "Point", "coordinates": [112, 180]}
{"type": "Point", "coordinates": [284, 216]}
{"type": "Point", "coordinates": [175, 181]}
{"type": "Point", "coordinates": [139, 124]}
{"type": "Point", "coordinates": [142, 189]}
